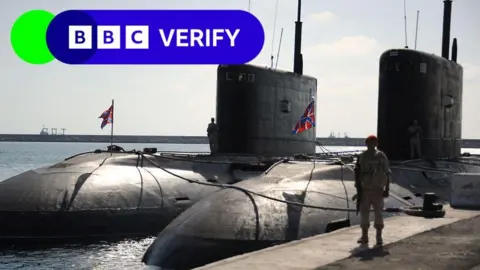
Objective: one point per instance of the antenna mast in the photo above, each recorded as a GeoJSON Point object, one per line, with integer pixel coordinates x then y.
{"type": "Point", "coordinates": [447, 17]}
{"type": "Point", "coordinates": [249, 5]}
{"type": "Point", "coordinates": [279, 45]}
{"type": "Point", "coordinates": [405, 16]}
{"type": "Point", "coordinates": [273, 36]}
{"type": "Point", "coordinates": [416, 30]}
{"type": "Point", "coordinates": [297, 57]}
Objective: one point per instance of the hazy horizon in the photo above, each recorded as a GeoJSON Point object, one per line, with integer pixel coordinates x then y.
{"type": "Point", "coordinates": [342, 43]}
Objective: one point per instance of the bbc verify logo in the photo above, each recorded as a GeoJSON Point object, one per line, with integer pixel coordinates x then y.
{"type": "Point", "coordinates": [108, 37]}
{"type": "Point", "coordinates": [125, 37]}
{"type": "Point", "coordinates": [137, 37]}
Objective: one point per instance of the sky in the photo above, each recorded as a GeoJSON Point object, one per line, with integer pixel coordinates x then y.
{"type": "Point", "coordinates": [342, 43]}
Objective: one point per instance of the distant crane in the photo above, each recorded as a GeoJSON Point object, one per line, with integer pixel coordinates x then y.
{"type": "Point", "coordinates": [63, 131]}
{"type": "Point", "coordinates": [333, 136]}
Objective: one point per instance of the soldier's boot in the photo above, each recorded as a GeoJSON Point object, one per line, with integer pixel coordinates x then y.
{"type": "Point", "coordinates": [379, 237]}
{"type": "Point", "coordinates": [364, 238]}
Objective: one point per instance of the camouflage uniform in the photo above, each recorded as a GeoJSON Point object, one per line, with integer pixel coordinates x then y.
{"type": "Point", "coordinates": [374, 177]}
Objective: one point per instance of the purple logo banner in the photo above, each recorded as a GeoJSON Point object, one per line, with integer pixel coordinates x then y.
{"type": "Point", "coordinates": [149, 37]}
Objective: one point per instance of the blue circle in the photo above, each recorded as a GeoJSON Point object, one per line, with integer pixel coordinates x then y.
{"type": "Point", "coordinates": [58, 37]}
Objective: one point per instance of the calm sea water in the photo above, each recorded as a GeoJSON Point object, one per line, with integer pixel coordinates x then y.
{"type": "Point", "coordinates": [17, 157]}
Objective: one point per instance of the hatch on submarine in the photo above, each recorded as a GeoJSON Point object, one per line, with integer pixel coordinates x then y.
{"type": "Point", "coordinates": [235, 221]}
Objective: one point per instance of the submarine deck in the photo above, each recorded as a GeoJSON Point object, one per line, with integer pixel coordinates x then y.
{"type": "Point", "coordinates": [452, 242]}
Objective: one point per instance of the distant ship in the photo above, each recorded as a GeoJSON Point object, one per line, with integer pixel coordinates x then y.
{"type": "Point", "coordinates": [53, 131]}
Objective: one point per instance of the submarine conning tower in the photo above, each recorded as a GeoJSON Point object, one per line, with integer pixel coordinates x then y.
{"type": "Point", "coordinates": [258, 107]}
{"type": "Point", "coordinates": [415, 85]}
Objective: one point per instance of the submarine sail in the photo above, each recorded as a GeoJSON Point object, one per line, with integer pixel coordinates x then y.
{"type": "Point", "coordinates": [422, 87]}
{"type": "Point", "coordinates": [258, 107]}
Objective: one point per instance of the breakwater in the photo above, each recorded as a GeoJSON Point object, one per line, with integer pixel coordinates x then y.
{"type": "Point", "coordinates": [466, 143]}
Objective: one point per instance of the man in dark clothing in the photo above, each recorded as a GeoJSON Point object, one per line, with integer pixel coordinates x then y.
{"type": "Point", "coordinates": [212, 132]}
{"type": "Point", "coordinates": [415, 132]}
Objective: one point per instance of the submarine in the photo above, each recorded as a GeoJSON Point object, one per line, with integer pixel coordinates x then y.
{"type": "Point", "coordinates": [113, 193]}
{"type": "Point", "coordinates": [116, 193]}
{"type": "Point", "coordinates": [297, 199]}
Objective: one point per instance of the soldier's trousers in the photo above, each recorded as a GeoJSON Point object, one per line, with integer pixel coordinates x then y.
{"type": "Point", "coordinates": [213, 141]}
{"type": "Point", "coordinates": [415, 148]}
{"type": "Point", "coordinates": [371, 198]}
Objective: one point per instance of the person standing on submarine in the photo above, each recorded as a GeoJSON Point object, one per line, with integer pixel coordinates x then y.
{"type": "Point", "coordinates": [212, 133]}
{"type": "Point", "coordinates": [415, 132]}
{"type": "Point", "coordinates": [374, 177]}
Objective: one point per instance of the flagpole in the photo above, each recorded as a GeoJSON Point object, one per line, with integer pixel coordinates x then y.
{"type": "Point", "coordinates": [111, 127]}
{"type": "Point", "coordinates": [315, 135]}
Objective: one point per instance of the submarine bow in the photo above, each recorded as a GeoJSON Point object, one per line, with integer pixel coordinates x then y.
{"type": "Point", "coordinates": [232, 222]}
{"type": "Point", "coordinates": [99, 194]}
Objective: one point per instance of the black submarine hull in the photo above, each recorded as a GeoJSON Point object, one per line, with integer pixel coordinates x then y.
{"type": "Point", "coordinates": [231, 222]}
{"type": "Point", "coordinates": [108, 195]}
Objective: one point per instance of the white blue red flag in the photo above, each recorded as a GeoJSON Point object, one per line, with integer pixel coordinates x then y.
{"type": "Point", "coordinates": [107, 117]}
{"type": "Point", "coordinates": [307, 120]}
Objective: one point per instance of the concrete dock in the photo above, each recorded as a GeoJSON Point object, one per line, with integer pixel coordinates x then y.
{"type": "Point", "coordinates": [452, 242]}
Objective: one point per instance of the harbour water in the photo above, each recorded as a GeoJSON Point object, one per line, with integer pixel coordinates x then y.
{"type": "Point", "coordinates": [17, 157]}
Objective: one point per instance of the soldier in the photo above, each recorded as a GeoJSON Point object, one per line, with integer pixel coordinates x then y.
{"type": "Point", "coordinates": [374, 182]}
{"type": "Point", "coordinates": [414, 132]}
{"type": "Point", "coordinates": [212, 132]}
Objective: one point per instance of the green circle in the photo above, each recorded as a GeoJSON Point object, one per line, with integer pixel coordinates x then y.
{"type": "Point", "coordinates": [29, 37]}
